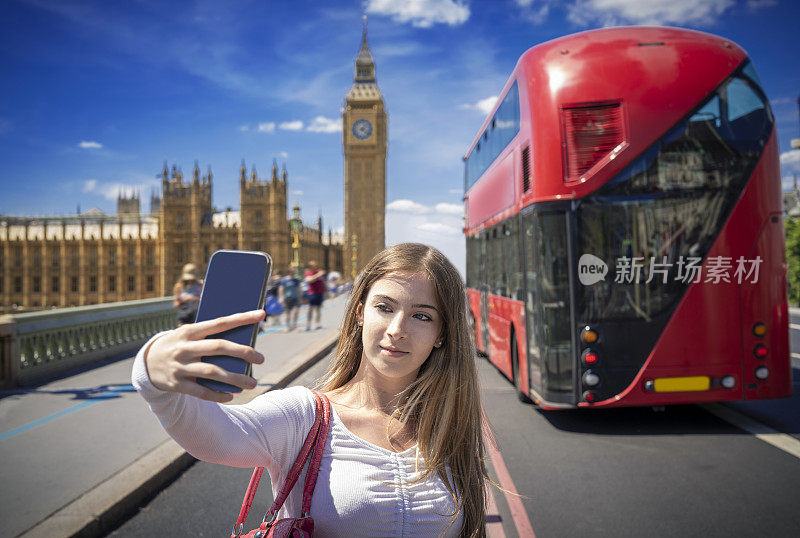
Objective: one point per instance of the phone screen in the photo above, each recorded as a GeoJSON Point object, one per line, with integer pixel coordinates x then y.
{"type": "Point", "coordinates": [235, 282]}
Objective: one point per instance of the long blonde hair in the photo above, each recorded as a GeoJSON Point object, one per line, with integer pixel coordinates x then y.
{"type": "Point", "coordinates": [444, 401]}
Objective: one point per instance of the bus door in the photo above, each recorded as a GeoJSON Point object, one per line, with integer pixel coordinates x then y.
{"type": "Point", "coordinates": [548, 304]}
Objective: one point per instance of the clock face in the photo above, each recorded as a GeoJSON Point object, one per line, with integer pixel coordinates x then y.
{"type": "Point", "coordinates": [362, 129]}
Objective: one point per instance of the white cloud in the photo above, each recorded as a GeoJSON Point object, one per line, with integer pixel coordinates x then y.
{"type": "Point", "coordinates": [484, 106]}
{"type": "Point", "coordinates": [615, 12]}
{"type": "Point", "coordinates": [407, 206]}
{"type": "Point", "coordinates": [435, 229]}
{"type": "Point", "coordinates": [90, 145]}
{"type": "Point", "coordinates": [110, 191]}
{"type": "Point", "coordinates": [321, 124]}
{"type": "Point", "coordinates": [284, 155]}
{"type": "Point", "coordinates": [450, 209]}
{"type": "Point", "coordinates": [295, 125]}
{"type": "Point", "coordinates": [790, 167]}
{"type": "Point", "coordinates": [244, 128]}
{"type": "Point", "coordinates": [535, 11]}
{"type": "Point", "coordinates": [421, 13]}
{"type": "Point", "coordinates": [296, 193]}
{"type": "Point", "coordinates": [439, 228]}
{"type": "Point", "coordinates": [791, 160]}
{"type": "Point", "coordinates": [267, 127]}
{"type": "Point", "coordinates": [754, 5]}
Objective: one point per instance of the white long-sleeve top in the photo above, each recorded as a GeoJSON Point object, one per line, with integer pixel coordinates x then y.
{"type": "Point", "coordinates": [362, 490]}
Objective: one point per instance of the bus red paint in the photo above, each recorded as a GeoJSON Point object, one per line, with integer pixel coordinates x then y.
{"type": "Point", "coordinates": [627, 183]}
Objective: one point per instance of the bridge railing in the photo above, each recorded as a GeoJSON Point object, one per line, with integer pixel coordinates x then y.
{"type": "Point", "coordinates": [36, 345]}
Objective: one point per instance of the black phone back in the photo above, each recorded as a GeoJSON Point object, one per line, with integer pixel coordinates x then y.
{"type": "Point", "coordinates": [235, 282]}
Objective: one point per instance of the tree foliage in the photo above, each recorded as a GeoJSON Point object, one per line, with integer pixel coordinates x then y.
{"type": "Point", "coordinates": [793, 259]}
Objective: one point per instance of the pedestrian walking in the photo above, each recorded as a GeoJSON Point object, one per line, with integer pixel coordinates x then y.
{"type": "Point", "coordinates": [289, 292]}
{"type": "Point", "coordinates": [186, 294]}
{"type": "Point", "coordinates": [315, 278]}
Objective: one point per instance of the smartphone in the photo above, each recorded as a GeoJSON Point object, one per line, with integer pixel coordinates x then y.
{"type": "Point", "coordinates": [235, 282]}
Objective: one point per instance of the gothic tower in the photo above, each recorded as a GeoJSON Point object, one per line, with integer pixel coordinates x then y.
{"type": "Point", "coordinates": [254, 211]}
{"type": "Point", "coordinates": [184, 207]}
{"type": "Point", "coordinates": [263, 215]}
{"type": "Point", "coordinates": [364, 138]}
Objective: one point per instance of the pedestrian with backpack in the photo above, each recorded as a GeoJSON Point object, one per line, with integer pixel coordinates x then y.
{"type": "Point", "coordinates": [289, 294]}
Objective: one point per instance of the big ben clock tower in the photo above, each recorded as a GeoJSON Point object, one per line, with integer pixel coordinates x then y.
{"type": "Point", "coordinates": [364, 138]}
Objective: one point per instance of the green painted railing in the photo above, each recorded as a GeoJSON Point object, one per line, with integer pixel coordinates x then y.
{"type": "Point", "coordinates": [36, 345]}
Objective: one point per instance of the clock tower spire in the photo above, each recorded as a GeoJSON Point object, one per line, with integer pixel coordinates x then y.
{"type": "Point", "coordinates": [365, 141]}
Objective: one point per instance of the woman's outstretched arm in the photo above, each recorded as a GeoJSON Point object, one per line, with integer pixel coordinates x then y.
{"type": "Point", "coordinates": [263, 432]}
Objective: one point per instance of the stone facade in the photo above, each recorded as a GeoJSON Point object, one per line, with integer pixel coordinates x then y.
{"type": "Point", "coordinates": [93, 258]}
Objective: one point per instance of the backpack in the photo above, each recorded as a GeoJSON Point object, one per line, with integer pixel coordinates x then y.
{"type": "Point", "coordinates": [290, 289]}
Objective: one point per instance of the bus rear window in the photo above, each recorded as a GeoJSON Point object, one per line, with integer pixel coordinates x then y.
{"type": "Point", "coordinates": [669, 204]}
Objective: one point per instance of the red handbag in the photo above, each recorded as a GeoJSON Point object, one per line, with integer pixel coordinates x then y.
{"type": "Point", "coordinates": [290, 527]}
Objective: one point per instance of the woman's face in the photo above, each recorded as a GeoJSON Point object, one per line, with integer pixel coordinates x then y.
{"type": "Point", "coordinates": [402, 323]}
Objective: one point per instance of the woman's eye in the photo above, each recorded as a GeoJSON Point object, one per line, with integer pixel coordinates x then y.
{"type": "Point", "coordinates": [382, 307]}
{"type": "Point", "coordinates": [423, 317]}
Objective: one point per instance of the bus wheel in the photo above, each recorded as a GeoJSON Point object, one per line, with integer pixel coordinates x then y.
{"type": "Point", "coordinates": [515, 369]}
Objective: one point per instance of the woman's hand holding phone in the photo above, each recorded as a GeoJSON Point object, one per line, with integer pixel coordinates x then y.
{"type": "Point", "coordinates": [173, 360]}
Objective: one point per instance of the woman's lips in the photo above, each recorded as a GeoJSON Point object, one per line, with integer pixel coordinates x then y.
{"type": "Point", "coordinates": [392, 352]}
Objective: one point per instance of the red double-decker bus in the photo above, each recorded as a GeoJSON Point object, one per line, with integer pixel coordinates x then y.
{"type": "Point", "coordinates": [624, 224]}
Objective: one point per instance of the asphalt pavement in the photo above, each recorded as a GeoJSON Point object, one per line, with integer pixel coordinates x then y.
{"type": "Point", "coordinates": [79, 452]}
{"type": "Point", "coordinates": [83, 453]}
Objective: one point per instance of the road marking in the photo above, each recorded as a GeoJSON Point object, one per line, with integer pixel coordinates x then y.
{"type": "Point", "coordinates": [518, 513]}
{"type": "Point", "coordinates": [494, 525]}
{"type": "Point", "coordinates": [785, 442]}
{"type": "Point", "coordinates": [794, 326]}
{"type": "Point", "coordinates": [95, 398]}
{"type": "Point", "coordinates": [796, 355]}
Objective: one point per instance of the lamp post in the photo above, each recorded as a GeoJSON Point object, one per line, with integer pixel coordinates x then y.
{"type": "Point", "coordinates": [296, 224]}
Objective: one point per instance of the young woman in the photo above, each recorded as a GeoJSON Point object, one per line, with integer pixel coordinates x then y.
{"type": "Point", "coordinates": [405, 450]}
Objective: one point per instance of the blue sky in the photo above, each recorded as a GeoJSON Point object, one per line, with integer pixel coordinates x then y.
{"type": "Point", "coordinates": [95, 96]}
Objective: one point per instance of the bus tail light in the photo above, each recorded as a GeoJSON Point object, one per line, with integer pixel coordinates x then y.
{"type": "Point", "coordinates": [591, 379]}
{"type": "Point", "coordinates": [760, 351]}
{"type": "Point", "coordinates": [728, 382]}
{"type": "Point", "coordinates": [590, 357]}
{"type": "Point", "coordinates": [590, 396]}
{"type": "Point", "coordinates": [759, 329]}
{"type": "Point", "coordinates": [590, 133]}
{"type": "Point", "coordinates": [589, 335]}
{"type": "Point", "coordinates": [762, 373]}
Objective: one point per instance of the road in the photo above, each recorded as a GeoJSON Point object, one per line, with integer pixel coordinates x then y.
{"type": "Point", "coordinates": [614, 472]}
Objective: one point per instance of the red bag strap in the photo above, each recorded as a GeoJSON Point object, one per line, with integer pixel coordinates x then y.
{"type": "Point", "coordinates": [297, 468]}
{"type": "Point", "coordinates": [249, 495]}
{"type": "Point", "coordinates": [319, 447]}
{"type": "Point", "coordinates": [294, 472]}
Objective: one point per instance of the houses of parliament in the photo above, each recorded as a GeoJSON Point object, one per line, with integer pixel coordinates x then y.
{"type": "Point", "coordinates": [92, 258]}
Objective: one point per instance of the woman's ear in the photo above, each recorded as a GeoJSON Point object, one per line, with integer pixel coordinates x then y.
{"type": "Point", "coordinates": [360, 314]}
{"type": "Point", "coordinates": [439, 341]}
